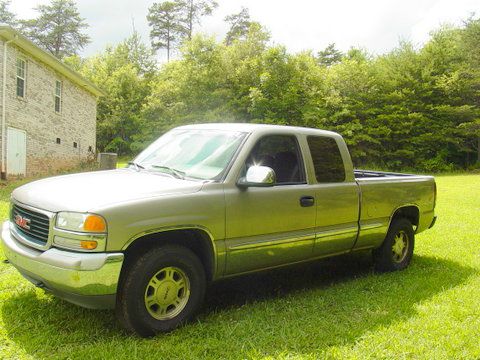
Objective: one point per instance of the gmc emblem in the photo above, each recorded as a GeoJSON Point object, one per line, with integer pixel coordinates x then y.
{"type": "Point", "coordinates": [22, 222]}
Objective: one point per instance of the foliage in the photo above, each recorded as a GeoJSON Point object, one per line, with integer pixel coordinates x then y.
{"type": "Point", "coordinates": [193, 11]}
{"type": "Point", "coordinates": [165, 20]}
{"type": "Point", "coordinates": [239, 25]}
{"type": "Point", "coordinates": [172, 21]}
{"type": "Point", "coordinates": [58, 28]}
{"type": "Point", "coordinates": [6, 16]}
{"type": "Point", "coordinates": [125, 74]}
{"type": "Point", "coordinates": [329, 56]}
{"type": "Point", "coordinates": [408, 109]}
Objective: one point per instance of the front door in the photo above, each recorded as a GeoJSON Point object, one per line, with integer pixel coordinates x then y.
{"type": "Point", "coordinates": [16, 151]}
{"type": "Point", "coordinates": [266, 227]}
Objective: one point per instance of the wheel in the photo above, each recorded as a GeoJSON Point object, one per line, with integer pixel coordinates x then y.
{"type": "Point", "coordinates": [160, 290]}
{"type": "Point", "coordinates": [397, 249]}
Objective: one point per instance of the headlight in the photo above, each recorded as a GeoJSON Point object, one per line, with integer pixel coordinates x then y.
{"type": "Point", "coordinates": [81, 222]}
{"type": "Point", "coordinates": [83, 231]}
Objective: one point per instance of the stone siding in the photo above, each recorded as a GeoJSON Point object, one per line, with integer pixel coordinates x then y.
{"type": "Point", "coordinates": [35, 113]}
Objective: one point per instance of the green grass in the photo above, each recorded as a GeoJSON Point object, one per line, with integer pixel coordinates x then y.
{"type": "Point", "coordinates": [337, 308]}
{"type": "Point", "coordinates": [123, 161]}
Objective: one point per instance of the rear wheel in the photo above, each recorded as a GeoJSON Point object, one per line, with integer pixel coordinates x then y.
{"type": "Point", "coordinates": [396, 251]}
{"type": "Point", "coordinates": [160, 290]}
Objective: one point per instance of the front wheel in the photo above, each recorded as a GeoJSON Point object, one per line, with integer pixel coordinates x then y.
{"type": "Point", "coordinates": [161, 290]}
{"type": "Point", "coordinates": [396, 251]}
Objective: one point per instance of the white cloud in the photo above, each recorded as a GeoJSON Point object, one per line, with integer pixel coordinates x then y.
{"type": "Point", "coordinates": [304, 24]}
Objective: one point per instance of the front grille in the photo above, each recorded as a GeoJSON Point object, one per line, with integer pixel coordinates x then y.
{"type": "Point", "coordinates": [39, 224]}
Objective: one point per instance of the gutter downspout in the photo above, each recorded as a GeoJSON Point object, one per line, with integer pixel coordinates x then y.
{"type": "Point", "coordinates": [3, 174]}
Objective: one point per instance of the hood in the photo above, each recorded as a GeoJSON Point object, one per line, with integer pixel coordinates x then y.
{"type": "Point", "coordinates": [86, 191]}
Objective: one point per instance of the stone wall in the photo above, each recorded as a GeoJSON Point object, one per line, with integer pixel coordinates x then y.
{"type": "Point", "coordinates": [35, 113]}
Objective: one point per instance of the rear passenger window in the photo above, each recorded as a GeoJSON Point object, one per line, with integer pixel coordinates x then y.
{"type": "Point", "coordinates": [326, 159]}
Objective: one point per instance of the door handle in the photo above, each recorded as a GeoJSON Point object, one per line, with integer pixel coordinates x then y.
{"type": "Point", "coordinates": [306, 201]}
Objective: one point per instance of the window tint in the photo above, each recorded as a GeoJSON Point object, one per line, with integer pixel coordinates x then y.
{"type": "Point", "coordinates": [326, 159]}
{"type": "Point", "coordinates": [281, 153]}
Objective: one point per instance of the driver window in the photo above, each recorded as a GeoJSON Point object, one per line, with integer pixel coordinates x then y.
{"type": "Point", "coordinates": [282, 154]}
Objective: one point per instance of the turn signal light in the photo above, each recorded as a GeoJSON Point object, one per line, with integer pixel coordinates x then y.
{"type": "Point", "coordinates": [88, 245]}
{"type": "Point", "coordinates": [94, 223]}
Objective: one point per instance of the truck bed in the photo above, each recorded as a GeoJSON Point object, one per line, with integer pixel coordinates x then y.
{"type": "Point", "coordinates": [361, 174]}
{"type": "Point", "coordinates": [384, 192]}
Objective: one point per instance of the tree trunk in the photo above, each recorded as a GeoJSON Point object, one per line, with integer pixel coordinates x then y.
{"type": "Point", "coordinates": [58, 42]}
{"type": "Point", "coordinates": [168, 45]}
{"type": "Point", "coordinates": [190, 21]}
{"type": "Point", "coordinates": [478, 149]}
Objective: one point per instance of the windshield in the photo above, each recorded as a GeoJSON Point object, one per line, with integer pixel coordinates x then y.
{"type": "Point", "coordinates": [198, 154]}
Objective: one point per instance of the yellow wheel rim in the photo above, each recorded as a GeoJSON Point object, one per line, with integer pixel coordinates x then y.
{"type": "Point", "coordinates": [400, 246]}
{"type": "Point", "coordinates": [167, 293]}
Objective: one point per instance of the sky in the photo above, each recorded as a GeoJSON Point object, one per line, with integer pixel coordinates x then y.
{"type": "Point", "coordinates": [374, 25]}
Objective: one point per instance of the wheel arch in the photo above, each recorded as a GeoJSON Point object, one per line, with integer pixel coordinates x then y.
{"type": "Point", "coordinates": [410, 212]}
{"type": "Point", "coordinates": [196, 238]}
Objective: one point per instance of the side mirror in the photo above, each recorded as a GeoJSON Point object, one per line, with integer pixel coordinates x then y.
{"type": "Point", "coordinates": [258, 176]}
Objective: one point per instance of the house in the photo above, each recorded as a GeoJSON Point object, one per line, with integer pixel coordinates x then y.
{"type": "Point", "coordinates": [48, 111]}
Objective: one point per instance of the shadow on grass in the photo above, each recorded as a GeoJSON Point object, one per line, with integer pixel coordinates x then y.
{"type": "Point", "coordinates": [302, 309]}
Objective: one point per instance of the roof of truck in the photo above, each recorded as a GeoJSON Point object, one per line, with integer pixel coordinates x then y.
{"type": "Point", "coordinates": [251, 128]}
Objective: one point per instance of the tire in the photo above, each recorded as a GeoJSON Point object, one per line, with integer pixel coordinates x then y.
{"type": "Point", "coordinates": [161, 290]}
{"type": "Point", "coordinates": [396, 251]}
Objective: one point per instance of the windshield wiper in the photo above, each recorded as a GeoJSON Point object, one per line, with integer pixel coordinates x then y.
{"type": "Point", "coordinates": [174, 172]}
{"type": "Point", "coordinates": [136, 165]}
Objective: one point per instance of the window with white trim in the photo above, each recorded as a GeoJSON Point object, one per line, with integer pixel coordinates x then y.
{"type": "Point", "coordinates": [58, 96]}
{"type": "Point", "coordinates": [21, 76]}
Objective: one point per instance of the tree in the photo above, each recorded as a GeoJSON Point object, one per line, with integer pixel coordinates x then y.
{"type": "Point", "coordinates": [412, 108]}
{"type": "Point", "coordinates": [6, 16]}
{"type": "Point", "coordinates": [470, 46]}
{"type": "Point", "coordinates": [239, 25]}
{"type": "Point", "coordinates": [125, 73]}
{"type": "Point", "coordinates": [58, 28]}
{"type": "Point", "coordinates": [165, 20]}
{"type": "Point", "coordinates": [193, 11]}
{"type": "Point", "coordinates": [134, 51]}
{"type": "Point", "coordinates": [329, 56]}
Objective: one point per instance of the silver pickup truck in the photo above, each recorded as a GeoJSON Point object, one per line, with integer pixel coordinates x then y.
{"type": "Point", "coordinates": [206, 202]}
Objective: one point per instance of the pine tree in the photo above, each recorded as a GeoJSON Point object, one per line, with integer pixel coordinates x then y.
{"type": "Point", "coordinates": [58, 28]}
{"type": "Point", "coordinates": [6, 16]}
{"type": "Point", "coordinates": [239, 25]}
{"type": "Point", "coordinates": [329, 56]}
{"type": "Point", "coordinates": [193, 11]}
{"type": "Point", "coordinates": [165, 20]}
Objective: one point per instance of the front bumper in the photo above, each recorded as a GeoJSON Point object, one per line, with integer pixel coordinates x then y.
{"type": "Point", "coordinates": [86, 279]}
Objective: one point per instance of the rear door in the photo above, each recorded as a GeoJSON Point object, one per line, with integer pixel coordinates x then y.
{"type": "Point", "coordinates": [336, 198]}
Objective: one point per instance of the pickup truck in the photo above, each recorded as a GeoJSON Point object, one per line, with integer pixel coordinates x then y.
{"type": "Point", "coordinates": [202, 203]}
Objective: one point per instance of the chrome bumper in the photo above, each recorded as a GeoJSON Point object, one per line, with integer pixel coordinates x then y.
{"type": "Point", "coordinates": [88, 280]}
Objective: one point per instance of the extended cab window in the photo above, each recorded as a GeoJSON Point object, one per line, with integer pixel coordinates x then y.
{"type": "Point", "coordinates": [282, 154]}
{"type": "Point", "coordinates": [327, 159]}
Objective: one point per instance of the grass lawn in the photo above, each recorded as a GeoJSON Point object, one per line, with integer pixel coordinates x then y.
{"type": "Point", "coordinates": [337, 308]}
{"type": "Point", "coordinates": [123, 161]}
